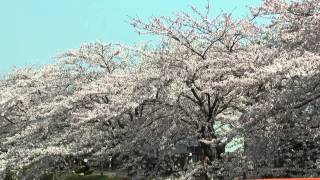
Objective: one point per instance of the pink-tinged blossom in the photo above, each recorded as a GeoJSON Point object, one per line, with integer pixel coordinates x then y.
{"type": "Point", "coordinates": [217, 80]}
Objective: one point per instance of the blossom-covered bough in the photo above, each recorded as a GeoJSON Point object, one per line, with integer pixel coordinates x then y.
{"type": "Point", "coordinates": [285, 119]}
{"type": "Point", "coordinates": [135, 103]}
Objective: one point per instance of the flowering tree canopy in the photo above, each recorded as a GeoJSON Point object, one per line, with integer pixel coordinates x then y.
{"type": "Point", "coordinates": [206, 73]}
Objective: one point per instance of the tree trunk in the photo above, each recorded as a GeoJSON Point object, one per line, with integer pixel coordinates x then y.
{"type": "Point", "coordinates": [207, 133]}
{"type": "Point", "coordinates": [211, 150]}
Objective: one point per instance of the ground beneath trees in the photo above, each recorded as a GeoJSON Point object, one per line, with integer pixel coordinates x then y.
{"type": "Point", "coordinates": [107, 175]}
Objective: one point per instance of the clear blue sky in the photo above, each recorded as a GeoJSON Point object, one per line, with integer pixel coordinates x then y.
{"type": "Point", "coordinates": [33, 31]}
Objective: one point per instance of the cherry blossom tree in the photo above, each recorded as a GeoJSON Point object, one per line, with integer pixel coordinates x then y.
{"type": "Point", "coordinates": [285, 120]}
{"type": "Point", "coordinates": [42, 110]}
{"type": "Point", "coordinates": [206, 65]}
{"type": "Point", "coordinates": [205, 75]}
{"type": "Point", "coordinates": [99, 96]}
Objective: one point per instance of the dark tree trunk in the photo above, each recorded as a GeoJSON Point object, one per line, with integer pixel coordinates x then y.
{"type": "Point", "coordinates": [208, 151]}
{"type": "Point", "coordinates": [212, 151]}
{"type": "Point", "coordinates": [207, 133]}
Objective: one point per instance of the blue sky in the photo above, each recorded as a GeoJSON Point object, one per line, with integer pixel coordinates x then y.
{"type": "Point", "coordinates": [33, 31]}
